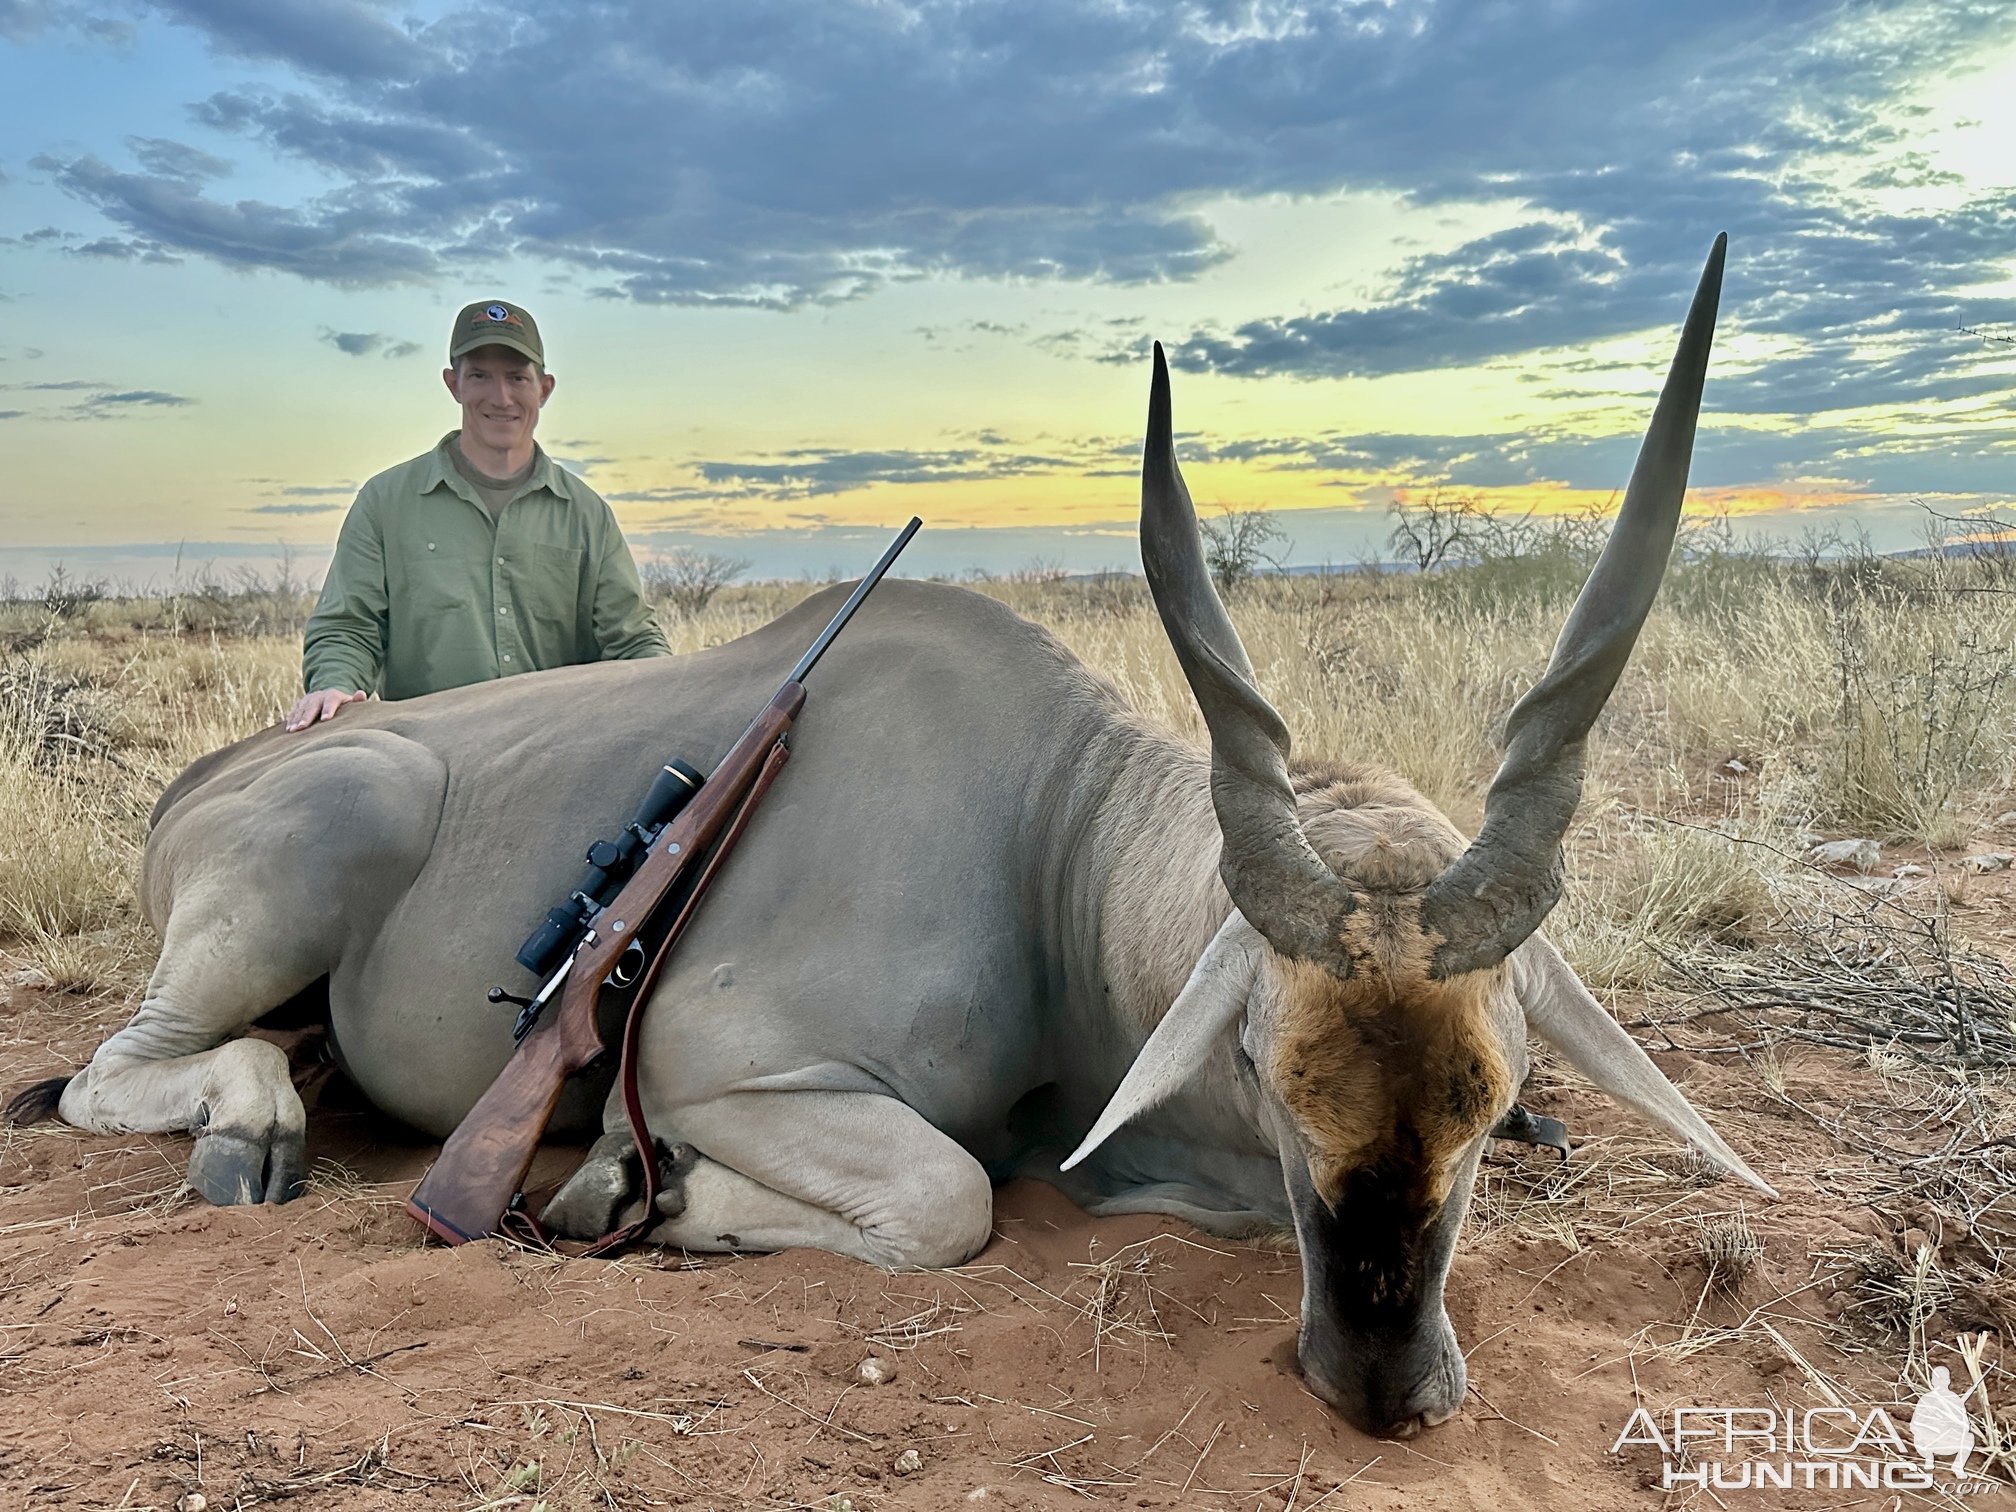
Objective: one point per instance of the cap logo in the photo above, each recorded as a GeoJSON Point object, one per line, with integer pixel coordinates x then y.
{"type": "Point", "coordinates": [498, 312]}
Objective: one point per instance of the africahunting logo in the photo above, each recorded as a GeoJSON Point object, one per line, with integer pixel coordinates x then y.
{"type": "Point", "coordinates": [1815, 1449]}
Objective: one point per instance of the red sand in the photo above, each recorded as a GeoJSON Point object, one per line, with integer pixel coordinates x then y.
{"type": "Point", "coordinates": [320, 1353]}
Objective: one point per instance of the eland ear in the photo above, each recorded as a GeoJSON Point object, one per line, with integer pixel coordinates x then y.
{"type": "Point", "coordinates": [1213, 998]}
{"type": "Point", "coordinates": [1564, 1014]}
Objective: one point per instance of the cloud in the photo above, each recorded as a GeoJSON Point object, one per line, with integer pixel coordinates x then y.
{"type": "Point", "coordinates": [340, 38]}
{"type": "Point", "coordinates": [12, 414]}
{"type": "Point", "coordinates": [151, 398]}
{"type": "Point", "coordinates": [112, 404]}
{"type": "Point", "coordinates": [175, 160]}
{"type": "Point", "coordinates": [1513, 291]}
{"type": "Point", "coordinates": [353, 343]}
{"type": "Point", "coordinates": [1731, 451]}
{"type": "Point", "coordinates": [292, 509]}
{"type": "Point", "coordinates": [811, 472]}
{"type": "Point", "coordinates": [1861, 282]}
{"type": "Point", "coordinates": [826, 152]}
{"type": "Point", "coordinates": [808, 472]}
{"type": "Point", "coordinates": [117, 249]}
{"type": "Point", "coordinates": [25, 20]}
{"type": "Point", "coordinates": [103, 401]}
{"type": "Point", "coordinates": [342, 238]}
{"type": "Point", "coordinates": [365, 343]}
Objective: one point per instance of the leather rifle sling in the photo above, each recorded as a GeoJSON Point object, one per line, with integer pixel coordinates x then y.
{"type": "Point", "coordinates": [633, 1108]}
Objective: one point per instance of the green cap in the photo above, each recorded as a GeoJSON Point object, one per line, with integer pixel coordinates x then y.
{"type": "Point", "coordinates": [492, 322]}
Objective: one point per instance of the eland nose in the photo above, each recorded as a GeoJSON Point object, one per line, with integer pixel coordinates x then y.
{"type": "Point", "coordinates": [1388, 1402]}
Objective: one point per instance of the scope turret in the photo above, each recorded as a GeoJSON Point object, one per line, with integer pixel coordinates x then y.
{"type": "Point", "coordinates": [610, 863]}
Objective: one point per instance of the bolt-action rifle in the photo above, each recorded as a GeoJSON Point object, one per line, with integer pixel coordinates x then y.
{"type": "Point", "coordinates": [480, 1173]}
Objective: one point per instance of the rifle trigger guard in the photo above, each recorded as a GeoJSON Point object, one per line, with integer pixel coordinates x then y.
{"type": "Point", "coordinates": [628, 965]}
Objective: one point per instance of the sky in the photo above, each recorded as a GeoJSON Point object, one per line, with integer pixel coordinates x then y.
{"type": "Point", "coordinates": [805, 268]}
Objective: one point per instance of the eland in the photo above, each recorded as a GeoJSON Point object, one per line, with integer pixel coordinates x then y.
{"type": "Point", "coordinates": [987, 909]}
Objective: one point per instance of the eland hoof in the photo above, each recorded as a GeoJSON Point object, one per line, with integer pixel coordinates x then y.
{"type": "Point", "coordinates": [606, 1192]}
{"type": "Point", "coordinates": [675, 1163]}
{"type": "Point", "coordinates": [232, 1169]}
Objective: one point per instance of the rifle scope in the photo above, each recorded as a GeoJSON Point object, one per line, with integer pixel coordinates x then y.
{"type": "Point", "coordinates": [610, 863]}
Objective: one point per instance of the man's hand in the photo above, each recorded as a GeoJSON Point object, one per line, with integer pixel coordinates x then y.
{"type": "Point", "coordinates": [313, 708]}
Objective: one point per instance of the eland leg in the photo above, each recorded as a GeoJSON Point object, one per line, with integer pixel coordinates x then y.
{"type": "Point", "coordinates": [855, 1173]}
{"type": "Point", "coordinates": [177, 1067]}
{"type": "Point", "coordinates": [258, 886]}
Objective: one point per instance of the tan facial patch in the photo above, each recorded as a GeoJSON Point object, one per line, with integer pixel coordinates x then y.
{"type": "Point", "coordinates": [1377, 1074]}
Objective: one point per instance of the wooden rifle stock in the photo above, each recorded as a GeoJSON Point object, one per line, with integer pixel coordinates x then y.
{"type": "Point", "coordinates": [482, 1167]}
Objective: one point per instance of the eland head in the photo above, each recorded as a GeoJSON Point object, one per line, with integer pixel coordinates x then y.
{"type": "Point", "coordinates": [1383, 975]}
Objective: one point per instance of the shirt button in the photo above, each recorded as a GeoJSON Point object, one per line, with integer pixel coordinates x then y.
{"type": "Point", "coordinates": [502, 610]}
{"type": "Point", "coordinates": [430, 545]}
{"type": "Point", "coordinates": [507, 656]}
{"type": "Point", "coordinates": [500, 561]}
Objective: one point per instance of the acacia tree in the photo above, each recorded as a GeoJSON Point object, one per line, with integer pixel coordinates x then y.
{"type": "Point", "coordinates": [1429, 532]}
{"type": "Point", "coordinates": [686, 579]}
{"type": "Point", "coordinates": [1239, 543]}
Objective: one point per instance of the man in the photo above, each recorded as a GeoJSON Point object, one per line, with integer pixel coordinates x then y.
{"type": "Point", "coordinates": [479, 559]}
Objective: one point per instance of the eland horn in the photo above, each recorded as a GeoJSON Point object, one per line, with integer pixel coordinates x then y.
{"type": "Point", "coordinates": [1494, 895]}
{"type": "Point", "coordinates": [1273, 874]}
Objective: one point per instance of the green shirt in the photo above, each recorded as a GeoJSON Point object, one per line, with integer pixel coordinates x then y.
{"type": "Point", "coordinates": [428, 591]}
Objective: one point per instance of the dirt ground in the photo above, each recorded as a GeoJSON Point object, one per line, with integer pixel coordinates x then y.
{"type": "Point", "coordinates": [322, 1354]}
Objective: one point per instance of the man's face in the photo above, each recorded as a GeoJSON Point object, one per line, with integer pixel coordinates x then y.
{"type": "Point", "coordinates": [500, 392]}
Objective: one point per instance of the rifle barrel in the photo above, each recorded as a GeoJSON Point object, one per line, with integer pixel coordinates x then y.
{"type": "Point", "coordinates": [834, 626]}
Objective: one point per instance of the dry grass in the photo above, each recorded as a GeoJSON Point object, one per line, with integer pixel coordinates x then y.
{"type": "Point", "coordinates": [1728, 1248]}
{"type": "Point", "coordinates": [1864, 699]}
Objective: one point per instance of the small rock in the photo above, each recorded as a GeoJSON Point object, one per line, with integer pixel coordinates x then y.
{"type": "Point", "coordinates": [1734, 767]}
{"type": "Point", "coordinates": [1910, 869]}
{"type": "Point", "coordinates": [1860, 854]}
{"type": "Point", "coordinates": [28, 979]}
{"type": "Point", "coordinates": [2008, 818]}
{"type": "Point", "coordinates": [875, 1371]}
{"type": "Point", "coordinates": [1915, 1240]}
{"type": "Point", "coordinates": [195, 1501]}
{"type": "Point", "coordinates": [909, 1462]}
{"type": "Point", "coordinates": [1989, 861]}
